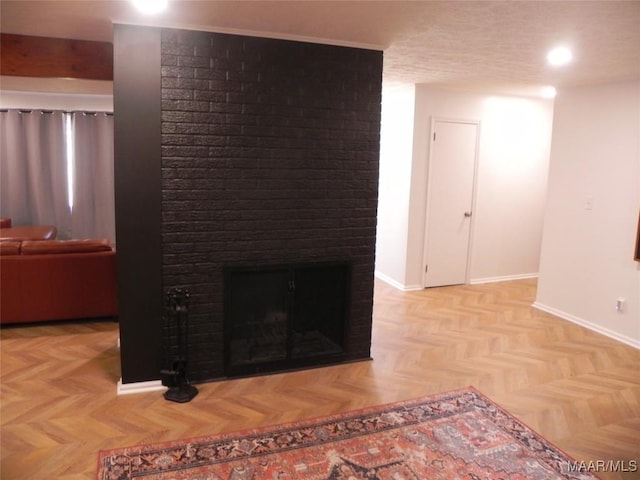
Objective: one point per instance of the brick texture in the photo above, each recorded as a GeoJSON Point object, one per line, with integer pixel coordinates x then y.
{"type": "Point", "coordinates": [269, 155]}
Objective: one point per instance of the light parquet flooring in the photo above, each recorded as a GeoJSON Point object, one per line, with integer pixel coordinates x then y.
{"type": "Point", "coordinates": [579, 389]}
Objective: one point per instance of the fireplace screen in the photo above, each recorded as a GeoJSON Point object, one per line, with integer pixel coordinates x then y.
{"type": "Point", "coordinates": [284, 317]}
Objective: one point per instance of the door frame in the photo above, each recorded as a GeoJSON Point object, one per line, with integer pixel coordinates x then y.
{"type": "Point", "coordinates": [432, 129]}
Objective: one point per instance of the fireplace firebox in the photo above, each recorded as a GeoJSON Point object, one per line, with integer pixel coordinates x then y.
{"type": "Point", "coordinates": [285, 317]}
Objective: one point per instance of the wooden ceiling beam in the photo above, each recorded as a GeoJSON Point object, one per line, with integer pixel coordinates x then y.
{"type": "Point", "coordinates": [28, 56]}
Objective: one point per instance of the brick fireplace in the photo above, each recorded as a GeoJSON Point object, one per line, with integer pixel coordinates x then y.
{"type": "Point", "coordinates": [269, 158]}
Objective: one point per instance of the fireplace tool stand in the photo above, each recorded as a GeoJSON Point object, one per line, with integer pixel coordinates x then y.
{"type": "Point", "coordinates": [177, 309]}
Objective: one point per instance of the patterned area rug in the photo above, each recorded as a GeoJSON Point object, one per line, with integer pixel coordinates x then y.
{"type": "Point", "coordinates": [456, 435]}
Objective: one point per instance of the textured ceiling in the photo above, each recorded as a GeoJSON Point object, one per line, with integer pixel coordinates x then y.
{"type": "Point", "coordinates": [491, 45]}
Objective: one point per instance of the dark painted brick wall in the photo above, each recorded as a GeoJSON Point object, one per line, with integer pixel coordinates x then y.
{"type": "Point", "coordinates": [269, 155]}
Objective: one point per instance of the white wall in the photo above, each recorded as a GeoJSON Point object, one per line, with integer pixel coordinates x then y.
{"type": "Point", "coordinates": [396, 150]}
{"type": "Point", "coordinates": [512, 175]}
{"type": "Point", "coordinates": [587, 253]}
{"type": "Point", "coordinates": [56, 94]}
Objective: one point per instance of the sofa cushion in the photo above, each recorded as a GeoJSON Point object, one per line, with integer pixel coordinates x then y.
{"type": "Point", "coordinates": [5, 222]}
{"type": "Point", "coordinates": [32, 232]}
{"type": "Point", "coordinates": [40, 247]}
{"type": "Point", "coordinates": [10, 247]}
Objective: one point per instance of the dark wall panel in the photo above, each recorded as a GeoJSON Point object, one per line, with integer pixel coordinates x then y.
{"type": "Point", "coordinates": [234, 150]}
{"type": "Point", "coordinates": [138, 200]}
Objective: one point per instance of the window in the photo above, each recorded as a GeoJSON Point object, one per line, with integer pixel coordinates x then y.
{"type": "Point", "coordinates": [56, 168]}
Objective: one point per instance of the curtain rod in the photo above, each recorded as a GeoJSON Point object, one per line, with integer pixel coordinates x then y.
{"type": "Point", "coordinates": [31, 110]}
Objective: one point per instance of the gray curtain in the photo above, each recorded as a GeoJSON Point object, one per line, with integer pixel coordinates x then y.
{"type": "Point", "coordinates": [93, 212]}
{"type": "Point", "coordinates": [33, 169]}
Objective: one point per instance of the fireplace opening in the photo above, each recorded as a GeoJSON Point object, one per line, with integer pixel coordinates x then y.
{"type": "Point", "coordinates": [285, 317]}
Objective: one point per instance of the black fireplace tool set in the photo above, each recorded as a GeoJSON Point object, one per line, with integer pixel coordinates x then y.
{"type": "Point", "coordinates": [177, 314]}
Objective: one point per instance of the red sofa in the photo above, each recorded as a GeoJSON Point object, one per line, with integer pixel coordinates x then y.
{"type": "Point", "coordinates": [42, 280]}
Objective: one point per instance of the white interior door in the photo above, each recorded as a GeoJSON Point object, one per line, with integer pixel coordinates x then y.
{"type": "Point", "coordinates": [450, 202]}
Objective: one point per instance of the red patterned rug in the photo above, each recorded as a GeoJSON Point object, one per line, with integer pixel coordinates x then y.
{"type": "Point", "coordinates": [456, 435]}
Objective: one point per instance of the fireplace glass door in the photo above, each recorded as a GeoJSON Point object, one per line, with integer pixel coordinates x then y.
{"type": "Point", "coordinates": [319, 308]}
{"type": "Point", "coordinates": [258, 317]}
{"type": "Point", "coordinates": [285, 317]}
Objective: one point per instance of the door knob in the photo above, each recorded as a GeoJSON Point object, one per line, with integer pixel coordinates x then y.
{"type": "Point", "coordinates": [467, 214]}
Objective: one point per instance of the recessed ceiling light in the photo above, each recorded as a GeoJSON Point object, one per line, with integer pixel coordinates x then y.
{"type": "Point", "coordinates": [549, 92]}
{"type": "Point", "coordinates": [151, 6]}
{"type": "Point", "coordinates": [559, 56]}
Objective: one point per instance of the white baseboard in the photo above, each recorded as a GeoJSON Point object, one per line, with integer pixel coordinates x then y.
{"type": "Point", "coordinates": [395, 284]}
{"type": "Point", "coordinates": [506, 278]}
{"type": "Point", "coordinates": [632, 342]}
{"type": "Point", "coordinates": [139, 387]}
{"type": "Point", "coordinates": [475, 281]}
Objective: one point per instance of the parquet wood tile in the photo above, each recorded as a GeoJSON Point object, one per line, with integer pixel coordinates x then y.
{"type": "Point", "coordinates": [577, 388]}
